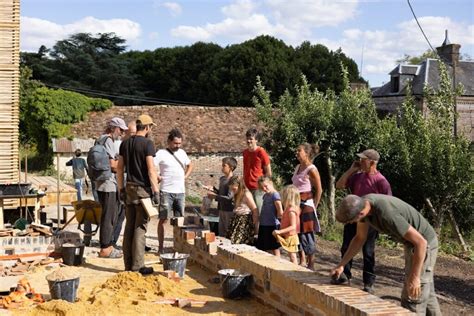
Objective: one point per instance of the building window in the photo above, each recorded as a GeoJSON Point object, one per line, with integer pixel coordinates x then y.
{"type": "Point", "coordinates": [395, 84]}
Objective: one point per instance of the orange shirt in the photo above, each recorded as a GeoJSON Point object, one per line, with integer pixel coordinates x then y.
{"type": "Point", "coordinates": [254, 161]}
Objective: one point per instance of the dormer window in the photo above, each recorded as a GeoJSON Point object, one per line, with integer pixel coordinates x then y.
{"type": "Point", "coordinates": [395, 84]}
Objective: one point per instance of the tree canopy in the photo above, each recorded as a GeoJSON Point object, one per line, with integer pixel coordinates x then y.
{"type": "Point", "coordinates": [420, 157]}
{"type": "Point", "coordinates": [199, 73]}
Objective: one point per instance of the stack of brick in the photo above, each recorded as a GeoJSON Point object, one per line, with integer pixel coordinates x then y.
{"type": "Point", "coordinates": [289, 288]}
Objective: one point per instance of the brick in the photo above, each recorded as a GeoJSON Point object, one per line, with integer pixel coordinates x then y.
{"type": "Point", "coordinates": [212, 248]}
{"type": "Point", "coordinates": [275, 297]}
{"type": "Point", "coordinates": [258, 288]}
{"type": "Point", "coordinates": [189, 234]}
{"type": "Point", "coordinates": [202, 233]}
{"type": "Point", "coordinates": [210, 237]}
{"type": "Point", "coordinates": [177, 221]}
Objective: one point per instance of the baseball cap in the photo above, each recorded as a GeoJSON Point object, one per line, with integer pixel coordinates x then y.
{"type": "Point", "coordinates": [349, 208]}
{"type": "Point", "coordinates": [146, 119]}
{"type": "Point", "coordinates": [371, 154]}
{"type": "Point", "coordinates": [118, 122]}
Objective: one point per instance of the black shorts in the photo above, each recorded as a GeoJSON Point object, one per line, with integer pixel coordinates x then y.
{"type": "Point", "coordinates": [307, 243]}
{"type": "Point", "coordinates": [266, 241]}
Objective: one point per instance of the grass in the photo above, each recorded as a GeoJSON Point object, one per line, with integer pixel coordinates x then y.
{"type": "Point", "coordinates": [192, 199]}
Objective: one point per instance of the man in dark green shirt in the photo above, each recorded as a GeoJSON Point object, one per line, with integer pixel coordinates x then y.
{"type": "Point", "coordinates": [392, 216]}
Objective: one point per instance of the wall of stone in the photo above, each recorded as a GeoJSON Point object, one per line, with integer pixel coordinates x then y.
{"type": "Point", "coordinates": [278, 283]}
{"type": "Point", "coordinates": [205, 129]}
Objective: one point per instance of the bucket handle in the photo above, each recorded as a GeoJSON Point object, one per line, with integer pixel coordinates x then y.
{"type": "Point", "coordinates": [225, 279]}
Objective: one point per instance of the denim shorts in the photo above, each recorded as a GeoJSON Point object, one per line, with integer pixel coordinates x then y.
{"type": "Point", "coordinates": [171, 205]}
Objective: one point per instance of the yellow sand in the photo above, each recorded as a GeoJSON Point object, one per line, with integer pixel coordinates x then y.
{"type": "Point", "coordinates": [104, 290]}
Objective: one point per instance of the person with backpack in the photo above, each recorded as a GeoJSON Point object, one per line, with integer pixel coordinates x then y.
{"type": "Point", "coordinates": [102, 160]}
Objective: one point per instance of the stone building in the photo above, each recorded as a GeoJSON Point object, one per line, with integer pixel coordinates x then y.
{"type": "Point", "coordinates": [390, 96]}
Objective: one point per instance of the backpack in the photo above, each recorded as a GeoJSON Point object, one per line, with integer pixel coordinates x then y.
{"type": "Point", "coordinates": [98, 161]}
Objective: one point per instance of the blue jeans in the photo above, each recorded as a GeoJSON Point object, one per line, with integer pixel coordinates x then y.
{"type": "Point", "coordinates": [171, 205]}
{"type": "Point", "coordinates": [78, 185]}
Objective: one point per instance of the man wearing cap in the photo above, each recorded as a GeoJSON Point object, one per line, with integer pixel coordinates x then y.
{"type": "Point", "coordinates": [175, 167]}
{"type": "Point", "coordinates": [107, 189]}
{"type": "Point", "coordinates": [392, 216]}
{"type": "Point", "coordinates": [132, 130]}
{"type": "Point", "coordinates": [136, 159]}
{"type": "Point", "coordinates": [363, 178]}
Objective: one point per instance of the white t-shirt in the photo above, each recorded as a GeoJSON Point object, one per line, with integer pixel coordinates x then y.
{"type": "Point", "coordinates": [171, 172]}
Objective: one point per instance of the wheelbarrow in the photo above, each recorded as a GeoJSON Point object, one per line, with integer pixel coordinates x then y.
{"type": "Point", "coordinates": [87, 213]}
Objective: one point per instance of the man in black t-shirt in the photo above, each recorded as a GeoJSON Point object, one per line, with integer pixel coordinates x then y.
{"type": "Point", "coordinates": [136, 159]}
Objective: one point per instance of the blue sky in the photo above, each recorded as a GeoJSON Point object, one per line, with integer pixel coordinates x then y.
{"type": "Point", "coordinates": [373, 32]}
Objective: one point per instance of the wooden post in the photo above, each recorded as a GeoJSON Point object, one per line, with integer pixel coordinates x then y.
{"type": "Point", "coordinates": [26, 164]}
{"type": "Point", "coordinates": [58, 189]}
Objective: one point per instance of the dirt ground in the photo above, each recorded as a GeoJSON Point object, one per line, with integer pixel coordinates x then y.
{"type": "Point", "coordinates": [454, 277]}
{"type": "Point", "coordinates": [454, 281]}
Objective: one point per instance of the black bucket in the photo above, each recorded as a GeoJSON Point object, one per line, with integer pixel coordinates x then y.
{"type": "Point", "coordinates": [64, 290]}
{"type": "Point", "coordinates": [72, 254]}
{"type": "Point", "coordinates": [175, 262]}
{"type": "Point", "coordinates": [234, 283]}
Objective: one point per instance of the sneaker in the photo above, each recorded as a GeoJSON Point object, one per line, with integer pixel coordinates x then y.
{"type": "Point", "coordinates": [369, 288]}
{"type": "Point", "coordinates": [145, 270]}
{"type": "Point", "coordinates": [342, 280]}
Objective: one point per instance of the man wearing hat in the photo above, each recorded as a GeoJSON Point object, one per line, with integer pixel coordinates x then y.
{"type": "Point", "coordinates": [107, 189]}
{"type": "Point", "coordinates": [136, 159]}
{"type": "Point", "coordinates": [394, 217]}
{"type": "Point", "coordinates": [363, 178]}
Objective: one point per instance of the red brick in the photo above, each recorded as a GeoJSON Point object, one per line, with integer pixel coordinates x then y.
{"type": "Point", "coordinates": [258, 288]}
{"type": "Point", "coordinates": [210, 237]}
{"type": "Point", "coordinates": [189, 234]}
{"type": "Point", "coordinates": [275, 297]}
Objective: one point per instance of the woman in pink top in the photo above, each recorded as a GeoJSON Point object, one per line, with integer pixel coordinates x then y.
{"type": "Point", "coordinates": [306, 178]}
{"type": "Point", "coordinates": [287, 235]}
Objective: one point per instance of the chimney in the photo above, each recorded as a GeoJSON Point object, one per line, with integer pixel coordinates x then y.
{"type": "Point", "coordinates": [448, 52]}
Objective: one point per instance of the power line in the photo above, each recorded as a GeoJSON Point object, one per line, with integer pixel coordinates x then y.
{"type": "Point", "coordinates": [130, 97]}
{"type": "Point", "coordinates": [421, 29]}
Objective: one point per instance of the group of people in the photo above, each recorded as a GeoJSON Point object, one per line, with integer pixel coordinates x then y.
{"type": "Point", "coordinates": [252, 211]}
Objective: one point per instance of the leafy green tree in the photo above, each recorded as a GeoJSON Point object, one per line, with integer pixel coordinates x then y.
{"type": "Point", "coordinates": [46, 113]}
{"type": "Point", "coordinates": [237, 66]}
{"type": "Point", "coordinates": [420, 157]}
{"type": "Point", "coordinates": [86, 62]}
{"type": "Point", "coordinates": [415, 60]}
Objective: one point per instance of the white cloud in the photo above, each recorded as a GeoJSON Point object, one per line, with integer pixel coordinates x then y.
{"type": "Point", "coordinates": [383, 47]}
{"type": "Point", "coordinates": [314, 13]}
{"type": "Point", "coordinates": [174, 8]}
{"type": "Point", "coordinates": [36, 32]}
{"type": "Point", "coordinates": [236, 29]}
{"type": "Point", "coordinates": [240, 8]}
{"type": "Point", "coordinates": [292, 21]}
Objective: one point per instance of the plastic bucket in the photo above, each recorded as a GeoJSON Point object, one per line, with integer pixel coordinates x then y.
{"type": "Point", "coordinates": [175, 262]}
{"type": "Point", "coordinates": [72, 254]}
{"type": "Point", "coordinates": [234, 283]}
{"type": "Point", "coordinates": [64, 290]}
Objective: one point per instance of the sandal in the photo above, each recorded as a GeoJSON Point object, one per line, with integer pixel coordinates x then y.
{"type": "Point", "coordinates": [114, 254]}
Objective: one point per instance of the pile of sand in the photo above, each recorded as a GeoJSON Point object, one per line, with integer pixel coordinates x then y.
{"type": "Point", "coordinates": [126, 293]}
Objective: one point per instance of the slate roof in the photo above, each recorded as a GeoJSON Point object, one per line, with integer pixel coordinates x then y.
{"type": "Point", "coordinates": [428, 72]}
